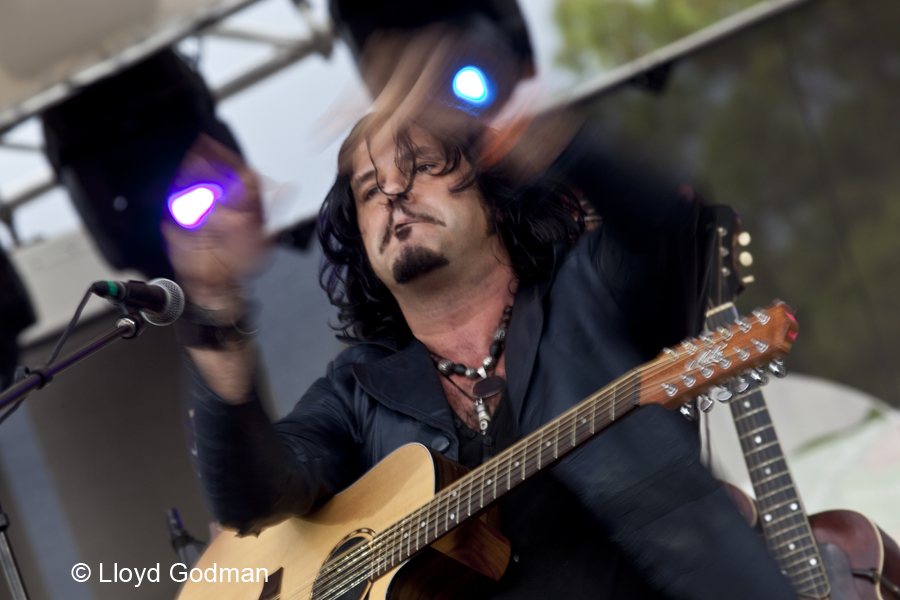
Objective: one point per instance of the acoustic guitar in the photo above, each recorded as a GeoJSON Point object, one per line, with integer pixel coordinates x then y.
{"type": "Point", "coordinates": [415, 526]}
{"type": "Point", "coordinates": [839, 554]}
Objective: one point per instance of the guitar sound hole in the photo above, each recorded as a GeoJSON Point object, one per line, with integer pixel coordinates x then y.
{"type": "Point", "coordinates": [341, 579]}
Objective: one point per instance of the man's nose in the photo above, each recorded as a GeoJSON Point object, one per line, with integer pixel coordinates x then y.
{"type": "Point", "coordinates": [395, 184]}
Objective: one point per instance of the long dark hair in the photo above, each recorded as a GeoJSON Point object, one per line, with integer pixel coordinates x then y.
{"type": "Point", "coordinates": [531, 219]}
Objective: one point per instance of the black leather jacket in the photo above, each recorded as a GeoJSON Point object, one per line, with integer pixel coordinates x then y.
{"type": "Point", "coordinates": [618, 296]}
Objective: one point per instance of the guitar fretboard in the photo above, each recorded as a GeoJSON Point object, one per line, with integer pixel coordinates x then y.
{"type": "Point", "coordinates": [784, 522]}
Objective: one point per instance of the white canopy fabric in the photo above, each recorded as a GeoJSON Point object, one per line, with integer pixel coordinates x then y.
{"type": "Point", "coordinates": [49, 47]}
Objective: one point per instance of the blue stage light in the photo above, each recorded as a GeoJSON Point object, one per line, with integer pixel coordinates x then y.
{"type": "Point", "coordinates": [189, 206]}
{"type": "Point", "coordinates": [471, 85]}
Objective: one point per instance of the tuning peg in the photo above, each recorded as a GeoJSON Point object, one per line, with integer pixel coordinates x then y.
{"type": "Point", "coordinates": [740, 384]}
{"type": "Point", "coordinates": [705, 402]}
{"type": "Point", "coordinates": [760, 345]}
{"type": "Point", "coordinates": [722, 394]}
{"type": "Point", "coordinates": [777, 368]}
{"type": "Point", "coordinates": [689, 411]}
{"type": "Point", "coordinates": [761, 316]}
{"type": "Point", "coordinates": [743, 238]}
{"type": "Point", "coordinates": [745, 258]}
{"type": "Point", "coordinates": [759, 376]}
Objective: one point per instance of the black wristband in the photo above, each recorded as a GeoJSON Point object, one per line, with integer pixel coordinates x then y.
{"type": "Point", "coordinates": [198, 327]}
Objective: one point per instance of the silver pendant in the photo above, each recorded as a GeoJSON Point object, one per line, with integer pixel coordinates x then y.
{"type": "Point", "coordinates": [488, 387]}
{"type": "Point", "coordinates": [484, 418]}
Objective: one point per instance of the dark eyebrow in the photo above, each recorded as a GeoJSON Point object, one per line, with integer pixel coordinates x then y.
{"type": "Point", "coordinates": [429, 153]}
{"type": "Point", "coordinates": [361, 179]}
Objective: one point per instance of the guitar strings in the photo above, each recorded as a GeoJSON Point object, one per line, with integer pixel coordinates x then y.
{"type": "Point", "coordinates": [336, 571]}
{"type": "Point", "coordinates": [392, 535]}
{"type": "Point", "coordinates": [359, 575]}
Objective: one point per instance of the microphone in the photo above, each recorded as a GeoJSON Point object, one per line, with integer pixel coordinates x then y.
{"type": "Point", "coordinates": [160, 301]}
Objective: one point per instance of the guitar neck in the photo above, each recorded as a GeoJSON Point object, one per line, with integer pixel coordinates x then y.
{"type": "Point", "coordinates": [469, 495]}
{"type": "Point", "coordinates": [784, 521]}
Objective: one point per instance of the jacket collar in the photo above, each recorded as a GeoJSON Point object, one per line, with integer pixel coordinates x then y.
{"type": "Point", "coordinates": [406, 381]}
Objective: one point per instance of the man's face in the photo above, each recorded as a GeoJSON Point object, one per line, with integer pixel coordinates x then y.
{"type": "Point", "coordinates": [428, 232]}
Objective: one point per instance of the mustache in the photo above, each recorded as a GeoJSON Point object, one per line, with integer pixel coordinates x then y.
{"type": "Point", "coordinates": [389, 227]}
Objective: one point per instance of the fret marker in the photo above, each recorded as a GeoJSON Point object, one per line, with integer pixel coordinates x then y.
{"type": "Point", "coordinates": [767, 518]}
{"type": "Point", "coordinates": [406, 535]}
{"type": "Point", "coordinates": [794, 506]}
{"type": "Point", "coordinates": [746, 404]}
{"type": "Point", "coordinates": [548, 444]}
{"type": "Point", "coordinates": [768, 471]}
{"type": "Point", "coordinates": [813, 561]}
{"type": "Point", "coordinates": [423, 523]}
{"type": "Point", "coordinates": [784, 573]}
{"type": "Point", "coordinates": [792, 547]}
{"type": "Point", "coordinates": [583, 421]}
{"type": "Point", "coordinates": [516, 464]}
{"type": "Point", "coordinates": [488, 482]}
{"type": "Point", "coordinates": [452, 516]}
{"type": "Point", "coordinates": [453, 493]}
{"type": "Point", "coordinates": [758, 439]}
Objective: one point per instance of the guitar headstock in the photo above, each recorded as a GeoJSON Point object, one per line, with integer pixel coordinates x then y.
{"type": "Point", "coordinates": [740, 350]}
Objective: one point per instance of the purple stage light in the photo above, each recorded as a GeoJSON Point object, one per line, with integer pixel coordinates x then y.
{"type": "Point", "coordinates": [189, 206]}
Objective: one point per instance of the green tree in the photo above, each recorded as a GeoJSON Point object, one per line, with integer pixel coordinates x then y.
{"type": "Point", "coordinates": [606, 33]}
{"type": "Point", "coordinates": [793, 123]}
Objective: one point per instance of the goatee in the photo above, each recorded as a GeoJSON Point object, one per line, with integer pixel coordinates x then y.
{"type": "Point", "coordinates": [416, 261]}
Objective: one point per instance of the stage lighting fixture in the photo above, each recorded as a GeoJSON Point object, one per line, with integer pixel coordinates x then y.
{"type": "Point", "coordinates": [188, 207]}
{"type": "Point", "coordinates": [16, 314]}
{"type": "Point", "coordinates": [493, 36]}
{"type": "Point", "coordinates": [471, 85]}
{"type": "Point", "coordinates": [117, 146]}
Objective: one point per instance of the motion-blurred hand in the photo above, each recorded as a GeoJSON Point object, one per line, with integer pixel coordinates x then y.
{"type": "Point", "coordinates": [413, 73]}
{"type": "Point", "coordinates": [213, 260]}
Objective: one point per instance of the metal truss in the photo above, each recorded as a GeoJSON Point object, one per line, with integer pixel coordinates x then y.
{"type": "Point", "coordinates": [285, 51]}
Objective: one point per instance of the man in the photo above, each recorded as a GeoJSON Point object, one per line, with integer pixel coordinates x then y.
{"type": "Point", "coordinates": [440, 264]}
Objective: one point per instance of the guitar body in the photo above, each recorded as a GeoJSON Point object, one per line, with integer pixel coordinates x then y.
{"type": "Point", "coordinates": [294, 552]}
{"type": "Point", "coordinates": [863, 562]}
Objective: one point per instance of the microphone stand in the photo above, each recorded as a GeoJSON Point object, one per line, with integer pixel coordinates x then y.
{"type": "Point", "coordinates": [127, 327]}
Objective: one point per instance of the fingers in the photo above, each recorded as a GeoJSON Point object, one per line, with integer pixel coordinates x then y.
{"type": "Point", "coordinates": [213, 259]}
{"type": "Point", "coordinates": [208, 161]}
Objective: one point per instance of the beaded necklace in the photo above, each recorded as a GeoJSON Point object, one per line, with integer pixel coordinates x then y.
{"type": "Point", "coordinates": [488, 385]}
